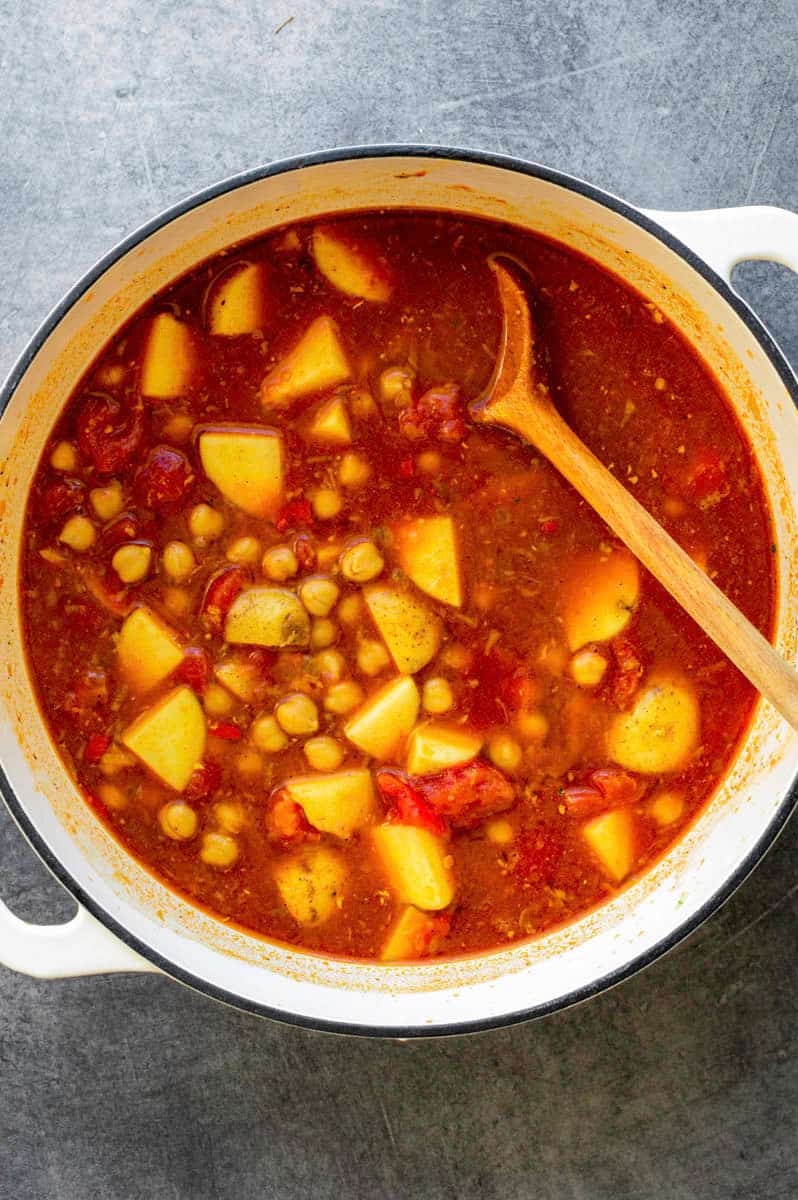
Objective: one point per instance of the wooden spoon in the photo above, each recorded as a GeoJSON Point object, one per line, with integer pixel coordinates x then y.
{"type": "Point", "coordinates": [518, 398]}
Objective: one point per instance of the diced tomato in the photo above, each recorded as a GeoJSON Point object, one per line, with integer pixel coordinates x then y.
{"type": "Point", "coordinates": [549, 525]}
{"type": "Point", "coordinates": [539, 854]}
{"type": "Point", "coordinates": [438, 415]}
{"type": "Point", "coordinates": [468, 794]}
{"type": "Point", "coordinates": [165, 479]}
{"type": "Point", "coordinates": [295, 512]}
{"type": "Point", "coordinates": [582, 800]}
{"type": "Point", "coordinates": [194, 669]}
{"type": "Point", "coordinates": [203, 782]}
{"type": "Point", "coordinates": [226, 730]}
{"type": "Point", "coordinates": [407, 803]}
{"type": "Point", "coordinates": [108, 437]}
{"type": "Point", "coordinates": [628, 671]}
{"type": "Point", "coordinates": [123, 529]}
{"type": "Point", "coordinates": [305, 552]}
{"type": "Point", "coordinates": [60, 498]}
{"type": "Point", "coordinates": [96, 747]}
{"type": "Point", "coordinates": [222, 589]}
{"type": "Point", "coordinates": [617, 785]}
{"type": "Point", "coordinates": [286, 821]}
{"type": "Point", "coordinates": [705, 478]}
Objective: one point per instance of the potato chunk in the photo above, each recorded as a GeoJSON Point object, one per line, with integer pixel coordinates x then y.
{"type": "Point", "coordinates": [436, 746]}
{"type": "Point", "coordinates": [415, 862]}
{"type": "Point", "coordinates": [316, 363]}
{"type": "Point", "coordinates": [426, 548]}
{"type": "Point", "coordinates": [267, 616]}
{"type": "Point", "coordinates": [169, 738]}
{"type": "Point", "coordinates": [411, 935]}
{"type": "Point", "coordinates": [331, 423]}
{"type": "Point", "coordinates": [147, 650]}
{"type": "Point", "coordinates": [237, 300]}
{"type": "Point", "coordinates": [170, 360]}
{"type": "Point", "coordinates": [410, 630]}
{"type": "Point", "coordinates": [662, 730]}
{"type": "Point", "coordinates": [380, 726]}
{"type": "Point", "coordinates": [600, 595]}
{"type": "Point", "coordinates": [338, 803]}
{"type": "Point", "coordinates": [611, 837]}
{"type": "Point", "coordinates": [311, 884]}
{"type": "Point", "coordinates": [246, 464]}
{"type": "Point", "coordinates": [348, 266]}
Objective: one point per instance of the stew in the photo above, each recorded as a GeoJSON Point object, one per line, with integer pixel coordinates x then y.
{"type": "Point", "coordinates": [342, 666]}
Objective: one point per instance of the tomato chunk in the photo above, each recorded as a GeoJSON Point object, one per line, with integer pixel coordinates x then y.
{"type": "Point", "coordinates": [204, 781]}
{"type": "Point", "coordinates": [407, 803]}
{"type": "Point", "coordinates": [286, 821]}
{"type": "Point", "coordinates": [96, 747]}
{"type": "Point", "coordinates": [438, 415]}
{"type": "Point", "coordinates": [60, 498]}
{"type": "Point", "coordinates": [107, 436]}
{"type": "Point", "coordinates": [705, 479]}
{"type": "Point", "coordinates": [194, 669]}
{"type": "Point", "coordinates": [226, 730]}
{"type": "Point", "coordinates": [222, 589]}
{"type": "Point", "coordinates": [165, 479]}
{"type": "Point", "coordinates": [468, 794]}
{"type": "Point", "coordinates": [628, 672]}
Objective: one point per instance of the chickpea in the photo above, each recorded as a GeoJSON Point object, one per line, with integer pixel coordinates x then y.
{"type": "Point", "coordinates": [79, 534]}
{"type": "Point", "coordinates": [132, 562]}
{"type": "Point", "coordinates": [361, 562]}
{"type": "Point", "coordinates": [178, 820]}
{"type": "Point", "coordinates": [500, 831]}
{"type": "Point", "coordinates": [396, 385]}
{"type": "Point", "coordinates": [297, 714]}
{"type": "Point", "coordinates": [230, 817]}
{"type": "Point", "coordinates": [323, 633]}
{"type": "Point", "coordinates": [249, 764]}
{"type": "Point", "coordinates": [268, 736]}
{"type": "Point", "coordinates": [323, 753]}
{"type": "Point", "coordinates": [531, 726]}
{"type": "Point", "coordinates": [587, 667]}
{"type": "Point", "coordinates": [111, 375]}
{"type": "Point", "coordinates": [505, 753]}
{"type": "Point", "coordinates": [178, 560]}
{"type": "Point", "coordinates": [326, 503]}
{"type": "Point", "coordinates": [219, 850]}
{"type": "Point", "coordinates": [436, 695]}
{"type": "Point", "coordinates": [112, 796]}
{"type": "Point", "coordinates": [178, 601]}
{"type": "Point", "coordinates": [372, 657]}
{"type": "Point", "coordinates": [327, 555]}
{"type": "Point", "coordinates": [279, 563]}
{"type": "Point", "coordinates": [330, 665]}
{"type": "Point", "coordinates": [217, 700]}
{"type": "Point", "coordinates": [342, 697]}
{"type": "Point", "coordinates": [107, 501]}
{"type": "Point", "coordinates": [666, 807]}
{"type": "Point", "coordinates": [243, 550]}
{"type": "Point", "coordinates": [350, 610]}
{"type": "Point", "coordinates": [178, 428]}
{"type": "Point", "coordinates": [319, 594]}
{"type": "Point", "coordinates": [205, 523]}
{"type": "Point", "coordinates": [116, 759]}
{"type": "Point", "coordinates": [353, 471]}
{"type": "Point", "coordinates": [429, 462]}
{"type": "Point", "coordinates": [64, 457]}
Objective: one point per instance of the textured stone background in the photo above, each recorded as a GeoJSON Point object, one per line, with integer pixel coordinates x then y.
{"type": "Point", "coordinates": [682, 1083]}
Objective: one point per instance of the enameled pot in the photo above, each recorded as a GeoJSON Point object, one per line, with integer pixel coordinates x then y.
{"type": "Point", "coordinates": [127, 921]}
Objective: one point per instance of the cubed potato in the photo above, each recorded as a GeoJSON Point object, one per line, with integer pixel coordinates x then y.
{"type": "Point", "coordinates": [661, 732]}
{"type": "Point", "coordinates": [316, 363]}
{"type": "Point", "coordinates": [426, 548]}
{"type": "Point", "coordinates": [237, 301]}
{"type": "Point", "coordinates": [311, 884]}
{"type": "Point", "coordinates": [380, 726]}
{"type": "Point", "coordinates": [416, 863]}
{"type": "Point", "coordinates": [247, 466]}
{"type": "Point", "coordinates": [350, 267]}
{"type": "Point", "coordinates": [338, 803]}
{"type": "Point", "coordinates": [600, 592]}
{"type": "Point", "coordinates": [410, 630]}
{"type": "Point", "coordinates": [267, 616]}
{"type": "Point", "coordinates": [435, 746]}
{"type": "Point", "coordinates": [170, 359]}
{"type": "Point", "coordinates": [331, 424]}
{"type": "Point", "coordinates": [611, 837]}
{"type": "Point", "coordinates": [410, 935]}
{"type": "Point", "coordinates": [147, 650]}
{"type": "Point", "coordinates": [169, 738]}
{"type": "Point", "coordinates": [240, 677]}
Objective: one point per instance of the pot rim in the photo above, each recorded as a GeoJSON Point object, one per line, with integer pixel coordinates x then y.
{"type": "Point", "coordinates": [319, 158]}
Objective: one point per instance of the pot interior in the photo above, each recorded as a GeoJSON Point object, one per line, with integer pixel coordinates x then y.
{"type": "Point", "coordinates": [535, 976]}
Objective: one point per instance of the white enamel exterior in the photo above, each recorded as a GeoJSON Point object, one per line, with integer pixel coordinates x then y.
{"type": "Point", "coordinates": [536, 977]}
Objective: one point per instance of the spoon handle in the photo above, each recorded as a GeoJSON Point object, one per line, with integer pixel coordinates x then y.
{"type": "Point", "coordinates": [661, 555]}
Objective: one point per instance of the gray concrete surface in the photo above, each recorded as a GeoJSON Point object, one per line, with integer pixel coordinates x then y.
{"type": "Point", "coordinates": [682, 1083]}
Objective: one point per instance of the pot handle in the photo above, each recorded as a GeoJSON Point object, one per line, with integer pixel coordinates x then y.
{"type": "Point", "coordinates": [724, 237]}
{"type": "Point", "coordinates": [80, 947]}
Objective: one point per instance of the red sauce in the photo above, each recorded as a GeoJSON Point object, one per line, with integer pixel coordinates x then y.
{"type": "Point", "coordinates": [566, 785]}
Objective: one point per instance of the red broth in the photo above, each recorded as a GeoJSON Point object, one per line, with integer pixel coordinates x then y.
{"type": "Point", "coordinates": [344, 668]}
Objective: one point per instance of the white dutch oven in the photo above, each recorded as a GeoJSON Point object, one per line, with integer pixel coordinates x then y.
{"type": "Point", "coordinates": [129, 922]}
